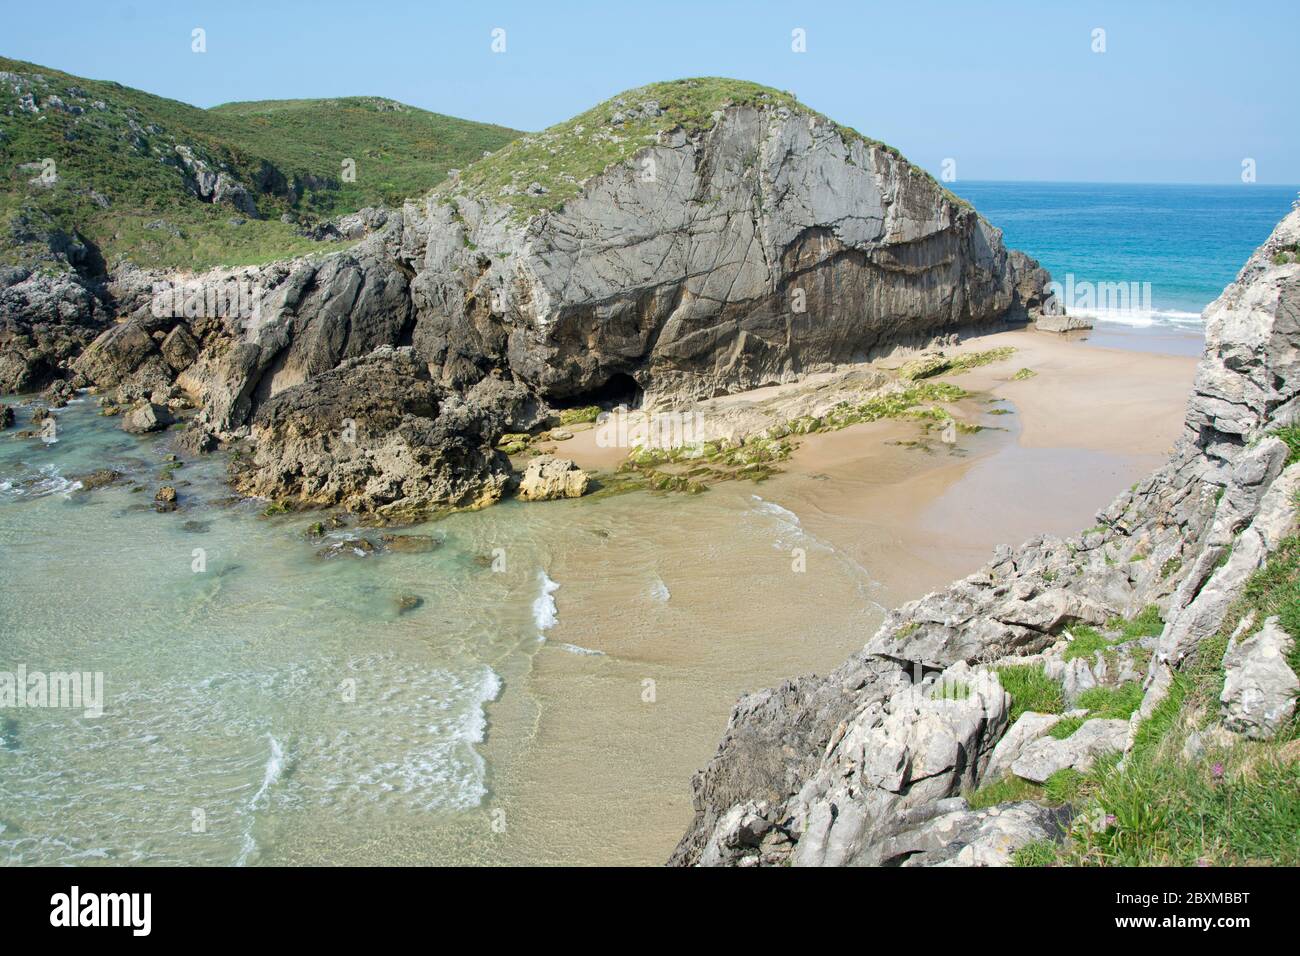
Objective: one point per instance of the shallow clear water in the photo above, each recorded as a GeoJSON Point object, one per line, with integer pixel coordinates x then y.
{"type": "Point", "coordinates": [265, 705]}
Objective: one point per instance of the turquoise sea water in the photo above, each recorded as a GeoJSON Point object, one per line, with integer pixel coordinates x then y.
{"type": "Point", "coordinates": [1187, 241]}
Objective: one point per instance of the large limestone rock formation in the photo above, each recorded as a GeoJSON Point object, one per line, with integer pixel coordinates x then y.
{"type": "Point", "coordinates": [377, 435]}
{"type": "Point", "coordinates": [807, 773]}
{"type": "Point", "coordinates": [753, 247]}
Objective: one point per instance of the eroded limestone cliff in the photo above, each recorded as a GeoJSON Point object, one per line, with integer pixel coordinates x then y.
{"type": "Point", "coordinates": [757, 247]}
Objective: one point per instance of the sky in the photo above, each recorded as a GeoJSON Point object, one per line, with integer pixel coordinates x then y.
{"type": "Point", "coordinates": [1170, 92]}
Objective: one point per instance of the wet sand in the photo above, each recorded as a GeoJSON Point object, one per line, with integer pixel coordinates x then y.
{"type": "Point", "coordinates": [690, 602]}
{"type": "Point", "coordinates": [1088, 424]}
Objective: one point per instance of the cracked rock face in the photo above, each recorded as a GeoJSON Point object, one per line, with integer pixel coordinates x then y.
{"type": "Point", "coordinates": [765, 249]}
{"type": "Point", "coordinates": [1259, 689]}
{"type": "Point", "coordinates": [1185, 539]}
{"type": "Point", "coordinates": [45, 322]}
{"type": "Point", "coordinates": [376, 435]}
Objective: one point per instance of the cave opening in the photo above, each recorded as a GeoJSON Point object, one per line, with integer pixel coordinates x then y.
{"type": "Point", "coordinates": [619, 389]}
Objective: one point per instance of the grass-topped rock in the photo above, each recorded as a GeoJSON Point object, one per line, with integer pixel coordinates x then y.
{"type": "Point", "coordinates": [542, 171]}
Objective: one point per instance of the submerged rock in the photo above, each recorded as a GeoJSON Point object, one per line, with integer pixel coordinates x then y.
{"type": "Point", "coordinates": [164, 500]}
{"type": "Point", "coordinates": [357, 547]}
{"type": "Point", "coordinates": [100, 478]}
{"type": "Point", "coordinates": [410, 543]}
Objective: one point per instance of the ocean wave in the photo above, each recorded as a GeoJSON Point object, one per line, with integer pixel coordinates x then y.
{"type": "Point", "coordinates": [43, 483]}
{"type": "Point", "coordinates": [1142, 318]}
{"type": "Point", "coordinates": [545, 614]}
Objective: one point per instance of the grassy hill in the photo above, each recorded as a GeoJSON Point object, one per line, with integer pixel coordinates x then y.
{"type": "Point", "coordinates": [562, 157]}
{"type": "Point", "coordinates": [399, 151]}
{"type": "Point", "coordinates": [127, 166]}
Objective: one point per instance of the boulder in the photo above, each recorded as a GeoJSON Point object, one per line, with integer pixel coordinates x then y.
{"type": "Point", "coordinates": [965, 837]}
{"type": "Point", "coordinates": [1259, 688]}
{"type": "Point", "coordinates": [99, 478]}
{"type": "Point", "coordinates": [146, 418]}
{"type": "Point", "coordinates": [179, 348]}
{"type": "Point", "coordinates": [1061, 322]}
{"type": "Point", "coordinates": [410, 543]}
{"type": "Point", "coordinates": [164, 500]}
{"type": "Point", "coordinates": [1046, 755]}
{"type": "Point", "coordinates": [6, 416]}
{"type": "Point", "coordinates": [547, 477]}
{"type": "Point", "coordinates": [1030, 727]}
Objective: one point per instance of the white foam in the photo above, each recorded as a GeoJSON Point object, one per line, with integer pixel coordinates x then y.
{"type": "Point", "coordinates": [575, 649]}
{"type": "Point", "coordinates": [1141, 318]}
{"type": "Point", "coordinates": [772, 508]}
{"type": "Point", "coordinates": [545, 613]}
{"type": "Point", "coordinates": [270, 774]}
{"type": "Point", "coordinates": [46, 482]}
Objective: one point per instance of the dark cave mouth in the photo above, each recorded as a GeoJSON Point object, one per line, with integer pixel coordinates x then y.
{"type": "Point", "coordinates": [619, 389]}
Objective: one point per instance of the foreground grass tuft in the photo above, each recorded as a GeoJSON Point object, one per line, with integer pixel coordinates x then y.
{"type": "Point", "coordinates": [1031, 690]}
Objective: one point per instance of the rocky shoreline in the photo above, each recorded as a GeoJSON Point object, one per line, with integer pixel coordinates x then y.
{"type": "Point", "coordinates": [768, 245]}
{"type": "Point", "coordinates": [881, 761]}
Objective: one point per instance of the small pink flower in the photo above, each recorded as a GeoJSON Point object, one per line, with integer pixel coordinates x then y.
{"type": "Point", "coordinates": [1217, 771]}
{"type": "Point", "coordinates": [1111, 819]}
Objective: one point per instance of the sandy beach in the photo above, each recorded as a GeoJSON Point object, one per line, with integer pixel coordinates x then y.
{"type": "Point", "coordinates": [880, 523]}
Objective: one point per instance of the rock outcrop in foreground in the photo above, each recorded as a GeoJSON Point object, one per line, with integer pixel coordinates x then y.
{"type": "Point", "coordinates": [722, 238]}
{"type": "Point", "coordinates": [869, 764]}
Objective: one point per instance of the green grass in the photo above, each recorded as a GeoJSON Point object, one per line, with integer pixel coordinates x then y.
{"type": "Point", "coordinates": [1031, 690]}
{"type": "Point", "coordinates": [1233, 807]}
{"type": "Point", "coordinates": [1087, 642]}
{"type": "Point", "coordinates": [124, 155]}
{"type": "Point", "coordinates": [1037, 853]}
{"type": "Point", "coordinates": [1066, 727]}
{"type": "Point", "coordinates": [1112, 703]}
{"type": "Point", "coordinates": [1275, 589]}
{"type": "Point", "coordinates": [400, 151]}
{"type": "Point", "coordinates": [1010, 789]}
{"type": "Point", "coordinates": [1023, 375]}
{"type": "Point", "coordinates": [563, 157]}
{"type": "Point", "coordinates": [1148, 623]}
{"type": "Point", "coordinates": [1291, 435]}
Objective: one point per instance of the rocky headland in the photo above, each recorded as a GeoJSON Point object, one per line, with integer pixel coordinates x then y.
{"type": "Point", "coordinates": [684, 241]}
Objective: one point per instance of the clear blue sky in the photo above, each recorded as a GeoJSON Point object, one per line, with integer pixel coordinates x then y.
{"type": "Point", "coordinates": [1010, 90]}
